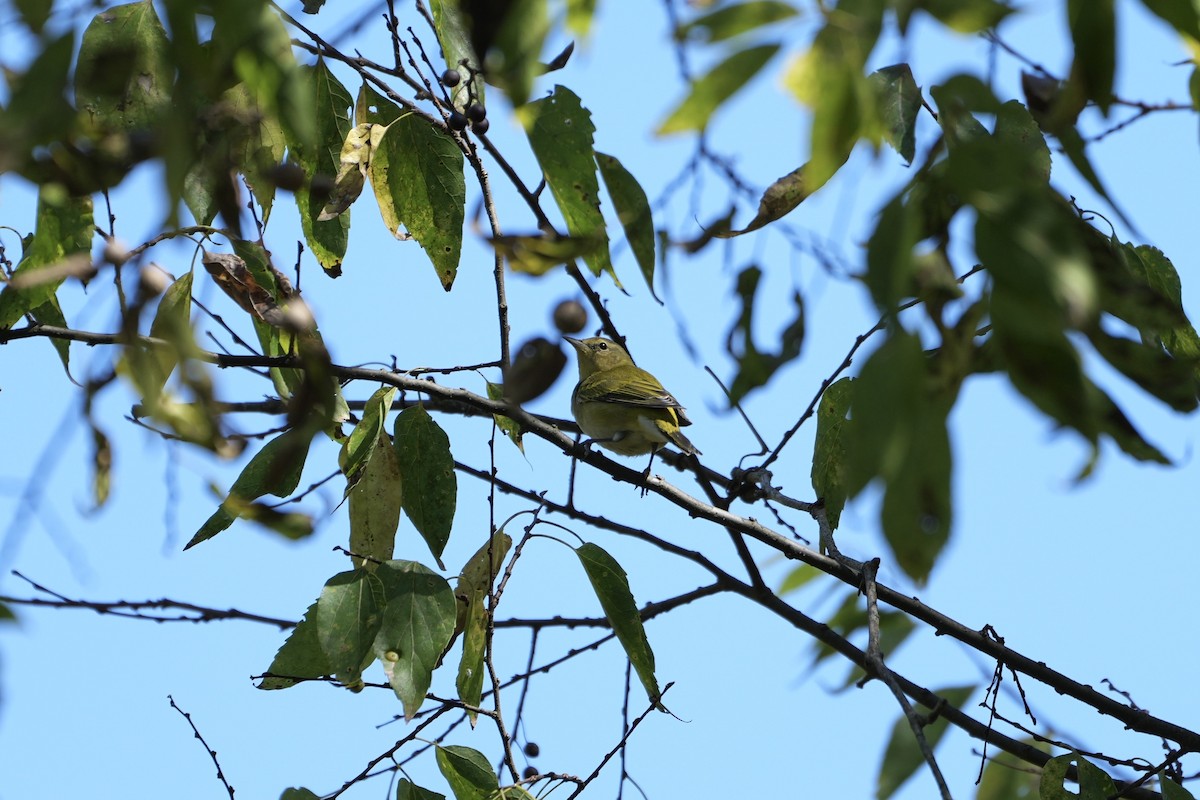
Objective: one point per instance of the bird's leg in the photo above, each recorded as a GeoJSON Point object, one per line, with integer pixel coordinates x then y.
{"type": "Point", "coordinates": [646, 474]}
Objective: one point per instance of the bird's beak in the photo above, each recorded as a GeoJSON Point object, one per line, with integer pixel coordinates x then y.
{"type": "Point", "coordinates": [576, 343]}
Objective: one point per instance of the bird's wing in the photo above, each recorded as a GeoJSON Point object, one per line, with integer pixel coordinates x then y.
{"type": "Point", "coordinates": [633, 387]}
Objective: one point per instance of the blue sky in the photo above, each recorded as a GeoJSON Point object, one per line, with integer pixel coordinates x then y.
{"type": "Point", "coordinates": [1091, 578]}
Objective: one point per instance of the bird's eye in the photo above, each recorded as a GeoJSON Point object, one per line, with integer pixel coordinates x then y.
{"type": "Point", "coordinates": [602, 346]}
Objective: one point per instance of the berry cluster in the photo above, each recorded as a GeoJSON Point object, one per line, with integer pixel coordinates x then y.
{"type": "Point", "coordinates": [475, 114]}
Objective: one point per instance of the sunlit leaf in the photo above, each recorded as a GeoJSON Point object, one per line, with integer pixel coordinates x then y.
{"type": "Point", "coordinates": [427, 470]}
{"type": "Point", "coordinates": [560, 132]}
{"type": "Point", "coordinates": [829, 452]}
{"type": "Point", "coordinates": [507, 425]}
{"type": "Point", "coordinates": [899, 100]}
{"type": "Point", "coordinates": [406, 790]}
{"type": "Point", "coordinates": [275, 469]}
{"type": "Point", "coordinates": [468, 772]}
{"type": "Point", "coordinates": [364, 439]}
{"type": "Point", "coordinates": [779, 200]}
{"type": "Point", "coordinates": [471, 593]}
{"type": "Point", "coordinates": [417, 174]}
{"type": "Point", "coordinates": [416, 626]}
{"type": "Point", "coordinates": [349, 615]}
{"type": "Point", "coordinates": [454, 35]}
{"type": "Point", "coordinates": [123, 75]}
{"type": "Point", "coordinates": [64, 231]}
{"type": "Point", "coordinates": [964, 16]}
{"type": "Point", "coordinates": [353, 163]}
{"type": "Point", "coordinates": [579, 16]}
{"type": "Point", "coordinates": [299, 657]}
{"type": "Point", "coordinates": [735, 19]}
{"type": "Point", "coordinates": [1093, 782]}
{"type": "Point", "coordinates": [538, 253]}
{"type": "Point", "coordinates": [375, 500]}
{"type": "Point", "coordinates": [513, 60]}
{"type": "Point", "coordinates": [633, 211]}
{"type": "Point", "coordinates": [326, 239]}
{"type": "Point", "coordinates": [714, 88]}
{"type": "Point", "coordinates": [611, 585]}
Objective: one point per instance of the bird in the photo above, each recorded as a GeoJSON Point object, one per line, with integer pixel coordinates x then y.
{"type": "Point", "coordinates": [622, 407]}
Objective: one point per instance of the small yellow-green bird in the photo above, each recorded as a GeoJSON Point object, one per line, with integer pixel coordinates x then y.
{"type": "Point", "coordinates": [621, 406]}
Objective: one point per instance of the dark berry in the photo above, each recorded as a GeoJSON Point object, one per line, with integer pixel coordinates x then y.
{"type": "Point", "coordinates": [450, 78]}
{"type": "Point", "coordinates": [457, 121]}
{"type": "Point", "coordinates": [481, 126]}
{"type": "Point", "coordinates": [476, 112]}
{"type": "Point", "coordinates": [570, 316]}
{"type": "Point", "coordinates": [532, 750]}
{"type": "Point", "coordinates": [529, 773]}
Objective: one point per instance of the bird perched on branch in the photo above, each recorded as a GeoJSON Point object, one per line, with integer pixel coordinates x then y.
{"type": "Point", "coordinates": [622, 407]}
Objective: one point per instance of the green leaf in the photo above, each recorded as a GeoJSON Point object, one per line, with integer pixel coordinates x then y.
{"type": "Point", "coordinates": [416, 627]}
{"type": "Point", "coordinates": [560, 132]}
{"type": "Point", "coordinates": [453, 33]}
{"type": "Point", "coordinates": [1171, 380]}
{"type": "Point", "coordinates": [1169, 327]}
{"type": "Point", "coordinates": [1016, 126]}
{"type": "Point", "coordinates": [474, 586]}
{"type": "Point", "coordinates": [755, 367]}
{"type": "Point", "coordinates": [1007, 777]}
{"type": "Point", "coordinates": [1093, 25]}
{"type": "Point", "coordinates": [1173, 791]}
{"type": "Point", "coordinates": [64, 231]}
{"type": "Point", "coordinates": [611, 585]}
{"type": "Point", "coordinates": [275, 469]}
{"type": "Point", "coordinates": [734, 20]}
{"type": "Point", "coordinates": [903, 755]}
{"type": "Point", "coordinates": [718, 85]}
{"type": "Point", "coordinates": [539, 253]}
{"type": "Point", "coordinates": [917, 511]}
{"type": "Point", "coordinates": [38, 111]}
{"type": "Point", "coordinates": [468, 772]}
{"type": "Point", "coordinates": [513, 59]}
{"type": "Point", "coordinates": [123, 78]}
{"type": "Point", "coordinates": [579, 16]}
{"type": "Point", "coordinates": [1182, 15]}
{"type": "Point", "coordinates": [34, 13]}
{"type": "Point", "coordinates": [300, 657]}
{"type": "Point", "coordinates": [298, 794]}
{"type": "Point", "coordinates": [363, 440]}
{"type": "Point", "coordinates": [779, 200]}
{"type": "Point", "coordinates": [372, 107]}
{"type": "Point", "coordinates": [899, 100]}
{"type": "Point", "coordinates": [888, 396]}
{"type": "Point", "coordinates": [829, 452]}
{"type": "Point", "coordinates": [326, 239]}
{"type": "Point", "coordinates": [890, 267]}
{"type": "Point", "coordinates": [406, 790]}
{"type": "Point", "coordinates": [507, 425]}
{"type": "Point", "coordinates": [633, 210]}
{"type": "Point", "coordinates": [427, 470]}
{"type": "Point", "coordinates": [1094, 783]}
{"type": "Point", "coordinates": [50, 313]}
{"type": "Point", "coordinates": [173, 324]}
{"type": "Point", "coordinates": [375, 501]}
{"type": "Point", "coordinates": [417, 174]}
{"type": "Point", "coordinates": [963, 16]}
{"type": "Point", "coordinates": [349, 616]}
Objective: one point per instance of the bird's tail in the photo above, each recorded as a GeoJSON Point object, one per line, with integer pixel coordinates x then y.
{"type": "Point", "coordinates": [677, 438]}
